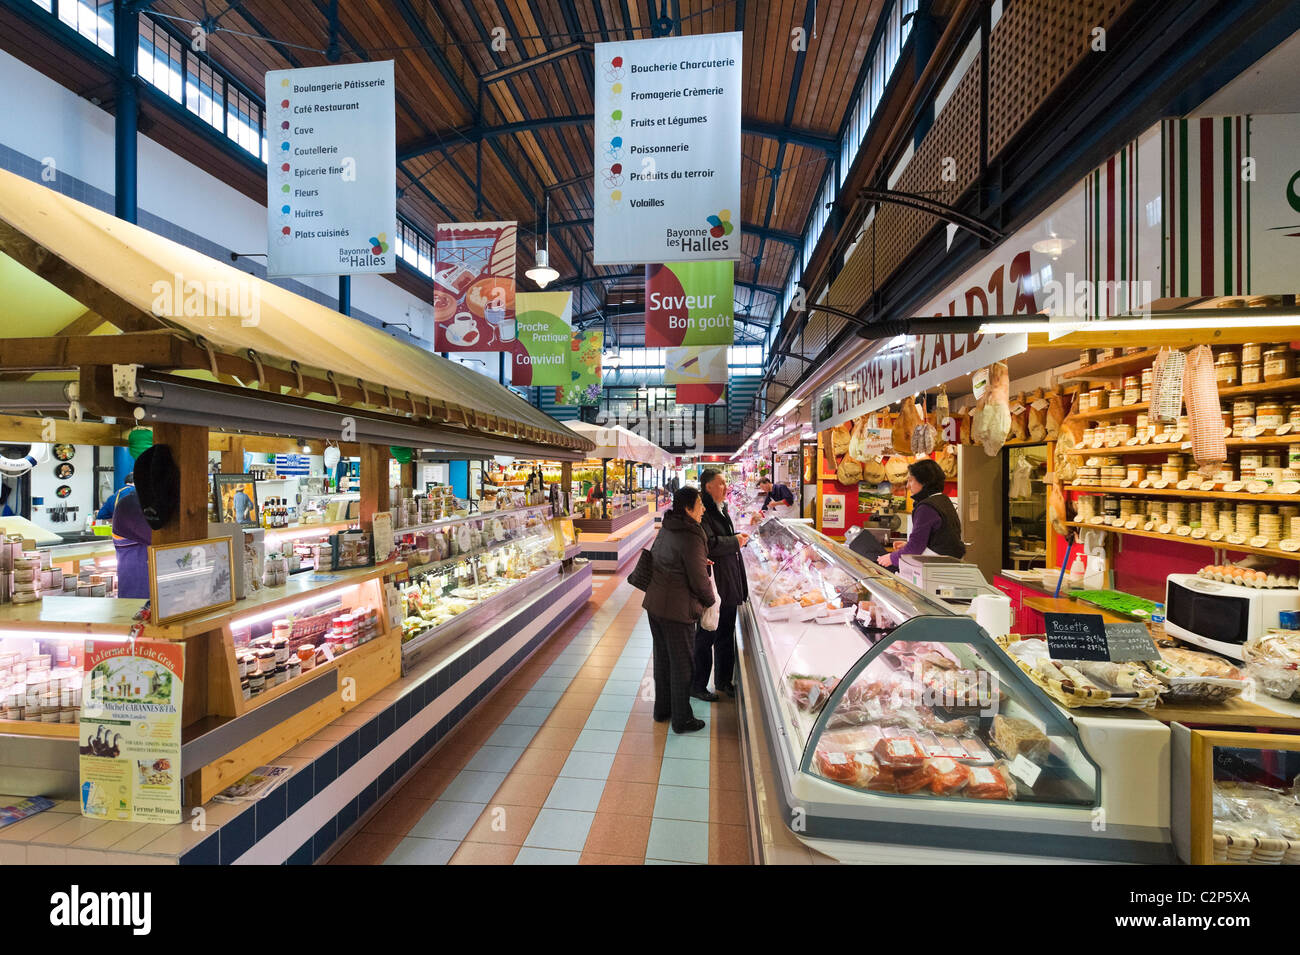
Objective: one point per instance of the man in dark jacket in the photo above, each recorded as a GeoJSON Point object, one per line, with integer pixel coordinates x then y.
{"type": "Point", "coordinates": [776, 493]}
{"type": "Point", "coordinates": [676, 597]}
{"type": "Point", "coordinates": [716, 650]}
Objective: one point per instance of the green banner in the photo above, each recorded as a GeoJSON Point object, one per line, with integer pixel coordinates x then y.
{"type": "Point", "coordinates": [545, 338]}
{"type": "Point", "coordinates": [585, 385]}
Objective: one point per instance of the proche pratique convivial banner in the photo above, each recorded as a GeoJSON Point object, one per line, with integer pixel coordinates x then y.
{"type": "Point", "coordinates": [667, 149]}
{"type": "Point", "coordinates": [331, 172]}
{"type": "Point", "coordinates": [545, 338]}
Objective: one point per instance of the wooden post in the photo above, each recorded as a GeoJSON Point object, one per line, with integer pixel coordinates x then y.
{"type": "Point", "coordinates": [408, 474]}
{"type": "Point", "coordinates": [232, 458]}
{"type": "Point", "coordinates": [189, 447]}
{"type": "Point", "coordinates": [374, 482]}
{"type": "Point", "coordinates": [566, 485]}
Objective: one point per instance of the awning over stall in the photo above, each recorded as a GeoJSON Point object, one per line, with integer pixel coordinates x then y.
{"type": "Point", "coordinates": [615, 441]}
{"type": "Point", "coordinates": [183, 312]}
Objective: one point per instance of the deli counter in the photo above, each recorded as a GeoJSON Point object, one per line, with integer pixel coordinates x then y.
{"type": "Point", "coordinates": [893, 721]}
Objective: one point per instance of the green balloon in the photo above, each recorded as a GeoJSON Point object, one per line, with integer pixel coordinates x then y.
{"type": "Point", "coordinates": [400, 455]}
{"type": "Point", "coordinates": [138, 441]}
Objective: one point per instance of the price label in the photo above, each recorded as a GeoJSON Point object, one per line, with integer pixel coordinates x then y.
{"type": "Point", "coordinates": [1236, 538]}
{"type": "Point", "coordinates": [980, 383]}
{"type": "Point", "coordinates": [1128, 641]}
{"type": "Point", "coordinates": [1185, 446]}
{"type": "Point", "coordinates": [1161, 438]}
{"type": "Point", "coordinates": [1288, 487]}
{"type": "Point", "coordinates": [1149, 526]}
{"type": "Point", "coordinates": [1131, 523]}
{"type": "Point", "coordinates": [1207, 485]}
{"type": "Point", "coordinates": [1285, 429]}
{"type": "Point", "coordinates": [1039, 404]}
{"type": "Point", "coordinates": [1259, 541]}
{"type": "Point", "coordinates": [1145, 482]}
{"type": "Point", "coordinates": [1076, 636]}
{"type": "Point", "coordinates": [1096, 520]}
{"type": "Point", "coordinates": [1184, 485]}
{"type": "Point", "coordinates": [1165, 528]}
{"type": "Point", "coordinates": [1216, 535]}
{"type": "Point", "coordinates": [1132, 441]}
{"type": "Point", "coordinates": [1017, 408]}
{"type": "Point", "coordinates": [1077, 482]}
{"type": "Point", "coordinates": [1227, 432]}
{"type": "Point", "coordinates": [1289, 544]}
{"type": "Point", "coordinates": [1127, 482]}
{"type": "Point", "coordinates": [1233, 487]}
{"type": "Point", "coordinates": [1025, 769]}
{"type": "Point", "coordinates": [1254, 431]}
{"type": "Point", "coordinates": [1257, 487]}
{"type": "Point", "coordinates": [1160, 484]}
{"type": "Point", "coordinates": [1199, 533]}
{"type": "Point", "coordinates": [1183, 530]}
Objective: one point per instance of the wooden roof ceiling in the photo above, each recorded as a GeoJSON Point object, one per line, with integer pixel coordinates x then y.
{"type": "Point", "coordinates": [462, 103]}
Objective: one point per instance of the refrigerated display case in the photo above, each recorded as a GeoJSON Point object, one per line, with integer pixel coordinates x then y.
{"type": "Point", "coordinates": [1235, 797]}
{"type": "Point", "coordinates": [892, 720]}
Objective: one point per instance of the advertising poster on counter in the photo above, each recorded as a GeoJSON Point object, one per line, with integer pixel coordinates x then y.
{"type": "Point", "coordinates": [545, 339]}
{"type": "Point", "coordinates": [474, 282]}
{"type": "Point", "coordinates": [667, 149]}
{"type": "Point", "coordinates": [130, 739]}
{"type": "Point", "coordinates": [331, 172]}
{"type": "Point", "coordinates": [585, 381]}
{"type": "Point", "coordinates": [690, 303]}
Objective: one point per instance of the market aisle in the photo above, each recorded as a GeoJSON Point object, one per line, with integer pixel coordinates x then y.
{"type": "Point", "coordinates": [565, 765]}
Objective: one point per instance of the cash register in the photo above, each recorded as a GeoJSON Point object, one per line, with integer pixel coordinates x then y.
{"type": "Point", "coordinates": [944, 577]}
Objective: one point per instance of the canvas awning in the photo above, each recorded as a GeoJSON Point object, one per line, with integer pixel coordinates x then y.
{"type": "Point", "coordinates": [615, 441]}
{"type": "Point", "coordinates": [224, 325]}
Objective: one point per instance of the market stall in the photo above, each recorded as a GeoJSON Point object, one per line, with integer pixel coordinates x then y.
{"type": "Point", "coordinates": [283, 622]}
{"type": "Point", "coordinates": [614, 525]}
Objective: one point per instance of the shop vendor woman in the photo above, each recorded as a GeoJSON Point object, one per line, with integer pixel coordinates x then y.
{"type": "Point", "coordinates": [936, 528]}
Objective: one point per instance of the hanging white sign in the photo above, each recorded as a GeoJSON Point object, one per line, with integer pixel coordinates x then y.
{"type": "Point", "coordinates": [667, 149]}
{"type": "Point", "coordinates": [331, 173]}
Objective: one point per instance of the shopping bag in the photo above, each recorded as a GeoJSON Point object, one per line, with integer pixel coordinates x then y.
{"type": "Point", "coordinates": [713, 612]}
{"type": "Point", "coordinates": [641, 573]}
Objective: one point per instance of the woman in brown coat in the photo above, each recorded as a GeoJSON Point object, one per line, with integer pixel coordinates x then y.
{"type": "Point", "coordinates": [679, 592]}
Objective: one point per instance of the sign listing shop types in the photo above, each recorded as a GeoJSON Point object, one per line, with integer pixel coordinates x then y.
{"type": "Point", "coordinates": [667, 149]}
{"type": "Point", "coordinates": [331, 172]}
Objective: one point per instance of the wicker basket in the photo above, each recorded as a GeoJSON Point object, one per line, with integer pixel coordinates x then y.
{"type": "Point", "coordinates": [1074, 698]}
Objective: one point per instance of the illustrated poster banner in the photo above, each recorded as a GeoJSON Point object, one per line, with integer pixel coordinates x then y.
{"type": "Point", "coordinates": [690, 303]}
{"type": "Point", "coordinates": [130, 737]}
{"type": "Point", "coordinates": [833, 511]}
{"type": "Point", "coordinates": [667, 149]}
{"type": "Point", "coordinates": [707, 394]}
{"type": "Point", "coordinates": [695, 365]}
{"type": "Point", "coordinates": [545, 338]}
{"type": "Point", "coordinates": [331, 173]}
{"type": "Point", "coordinates": [585, 383]}
{"type": "Point", "coordinates": [474, 286]}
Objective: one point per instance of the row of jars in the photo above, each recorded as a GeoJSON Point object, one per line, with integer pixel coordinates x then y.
{"type": "Point", "coordinates": [1271, 465]}
{"type": "Point", "coordinates": [1243, 415]}
{"type": "Point", "coordinates": [1263, 524]}
{"type": "Point", "coordinates": [1248, 364]}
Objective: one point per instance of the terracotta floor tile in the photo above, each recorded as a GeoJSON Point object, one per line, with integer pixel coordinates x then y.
{"type": "Point", "coordinates": [601, 858]}
{"type": "Point", "coordinates": [503, 825]}
{"type": "Point", "coordinates": [616, 833]}
{"type": "Point", "coordinates": [399, 814]}
{"type": "Point", "coordinates": [579, 698]}
{"type": "Point", "coordinates": [483, 853]}
{"type": "Point", "coordinates": [596, 671]}
{"type": "Point", "coordinates": [586, 685]}
{"type": "Point", "coordinates": [628, 798]}
{"type": "Point", "coordinates": [727, 806]}
{"type": "Point", "coordinates": [367, 848]}
{"type": "Point", "coordinates": [428, 781]}
{"type": "Point", "coordinates": [541, 762]}
{"type": "Point", "coordinates": [636, 769]}
{"type": "Point", "coordinates": [641, 744]}
{"type": "Point", "coordinates": [567, 717]}
{"type": "Point", "coordinates": [725, 774]}
{"type": "Point", "coordinates": [523, 789]}
{"type": "Point", "coordinates": [728, 845]}
{"type": "Point", "coordinates": [476, 731]}
{"type": "Point", "coordinates": [556, 737]}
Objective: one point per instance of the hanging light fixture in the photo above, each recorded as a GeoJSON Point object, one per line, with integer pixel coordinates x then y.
{"type": "Point", "coordinates": [541, 272]}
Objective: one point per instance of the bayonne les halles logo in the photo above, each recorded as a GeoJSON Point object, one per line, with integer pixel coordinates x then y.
{"type": "Point", "coordinates": [379, 243]}
{"type": "Point", "coordinates": [721, 224]}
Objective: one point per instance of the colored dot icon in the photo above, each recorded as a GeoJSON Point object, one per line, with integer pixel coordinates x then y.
{"type": "Point", "coordinates": [616, 62]}
{"type": "Point", "coordinates": [617, 142]}
{"type": "Point", "coordinates": [284, 167]}
{"type": "Point", "coordinates": [284, 231]}
{"type": "Point", "coordinates": [285, 124]}
{"type": "Point", "coordinates": [284, 210]}
{"type": "Point", "coordinates": [616, 195]}
{"type": "Point", "coordinates": [617, 169]}
{"type": "Point", "coordinates": [284, 104]}
{"type": "Point", "coordinates": [616, 115]}
{"type": "Point", "coordinates": [284, 146]}
{"type": "Point", "coordinates": [285, 81]}
{"type": "Point", "coordinates": [616, 88]}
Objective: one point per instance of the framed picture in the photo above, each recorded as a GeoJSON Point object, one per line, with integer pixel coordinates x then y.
{"type": "Point", "coordinates": [236, 499]}
{"type": "Point", "coordinates": [190, 577]}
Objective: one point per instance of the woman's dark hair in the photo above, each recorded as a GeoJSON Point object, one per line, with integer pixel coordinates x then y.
{"type": "Point", "coordinates": [928, 474]}
{"type": "Point", "coordinates": [684, 499]}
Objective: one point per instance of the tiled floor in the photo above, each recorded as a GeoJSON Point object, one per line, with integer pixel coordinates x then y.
{"type": "Point", "coordinates": [565, 765]}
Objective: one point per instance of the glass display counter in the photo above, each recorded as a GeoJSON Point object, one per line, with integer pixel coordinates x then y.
{"type": "Point", "coordinates": [893, 720]}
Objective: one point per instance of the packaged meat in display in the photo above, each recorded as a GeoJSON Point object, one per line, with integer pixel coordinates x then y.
{"type": "Point", "coordinates": [1019, 737]}
{"type": "Point", "coordinates": [947, 776]}
{"type": "Point", "coordinates": [1038, 418]}
{"type": "Point", "coordinates": [908, 781]}
{"type": "Point", "coordinates": [873, 471]}
{"type": "Point", "coordinates": [841, 438]}
{"type": "Point", "coordinates": [1019, 430]}
{"type": "Point", "coordinates": [896, 469]}
{"type": "Point", "coordinates": [811, 692]}
{"type": "Point", "coordinates": [837, 765]}
{"type": "Point", "coordinates": [1273, 661]}
{"type": "Point", "coordinates": [1204, 418]}
{"type": "Point", "coordinates": [1191, 676]}
{"type": "Point", "coordinates": [904, 425]}
{"type": "Point", "coordinates": [1055, 415]}
{"type": "Point", "coordinates": [989, 782]}
{"type": "Point", "coordinates": [991, 420]}
{"type": "Point", "coordinates": [902, 752]}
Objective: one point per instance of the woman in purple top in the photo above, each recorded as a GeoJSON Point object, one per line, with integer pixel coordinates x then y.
{"type": "Point", "coordinates": [936, 528]}
{"type": "Point", "coordinates": [132, 536]}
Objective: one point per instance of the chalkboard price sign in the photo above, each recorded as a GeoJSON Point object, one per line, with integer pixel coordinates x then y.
{"type": "Point", "coordinates": [1130, 641]}
{"type": "Point", "coordinates": [1076, 636]}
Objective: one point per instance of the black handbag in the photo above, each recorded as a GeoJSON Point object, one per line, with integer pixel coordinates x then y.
{"type": "Point", "coordinates": [643, 571]}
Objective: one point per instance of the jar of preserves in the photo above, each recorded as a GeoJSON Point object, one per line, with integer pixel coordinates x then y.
{"type": "Point", "coordinates": [1252, 372]}
{"type": "Point", "coordinates": [1097, 399]}
{"type": "Point", "coordinates": [1279, 364]}
{"type": "Point", "coordinates": [1132, 385]}
{"type": "Point", "coordinates": [1087, 356]}
{"type": "Point", "coordinates": [1104, 354]}
{"type": "Point", "coordinates": [1243, 415]}
{"type": "Point", "coordinates": [1270, 414]}
{"type": "Point", "coordinates": [1147, 375]}
{"type": "Point", "coordinates": [1115, 398]}
{"type": "Point", "coordinates": [1252, 351]}
{"type": "Point", "coordinates": [1227, 370]}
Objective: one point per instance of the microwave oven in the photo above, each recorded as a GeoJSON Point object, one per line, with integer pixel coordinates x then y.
{"type": "Point", "coordinates": [1222, 617]}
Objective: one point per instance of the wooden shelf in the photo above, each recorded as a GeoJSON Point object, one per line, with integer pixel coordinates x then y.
{"type": "Point", "coordinates": [1199, 495]}
{"type": "Point", "coordinates": [1169, 446]}
{"type": "Point", "coordinates": [1114, 367]}
{"type": "Point", "coordinates": [1235, 391]}
{"type": "Point", "coordinates": [1220, 545]}
{"type": "Point", "coordinates": [34, 728]}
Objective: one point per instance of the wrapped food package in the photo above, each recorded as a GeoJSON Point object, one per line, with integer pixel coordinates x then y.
{"type": "Point", "coordinates": [991, 420]}
{"type": "Point", "coordinates": [1204, 418]}
{"type": "Point", "coordinates": [989, 782]}
{"type": "Point", "coordinates": [900, 753]}
{"type": "Point", "coordinates": [941, 411]}
{"type": "Point", "coordinates": [1167, 386]}
{"type": "Point", "coordinates": [858, 440]}
{"type": "Point", "coordinates": [1057, 510]}
{"type": "Point", "coordinates": [936, 422]}
{"type": "Point", "coordinates": [1065, 467]}
{"type": "Point", "coordinates": [948, 462]}
{"type": "Point", "coordinates": [947, 776]}
{"type": "Point", "coordinates": [1019, 420]}
{"type": "Point", "coordinates": [908, 418]}
{"type": "Point", "coordinates": [923, 438]}
{"type": "Point", "coordinates": [811, 692]}
{"type": "Point", "coordinates": [841, 435]}
{"type": "Point", "coordinates": [1017, 737]}
{"type": "Point", "coordinates": [1055, 415]}
{"type": "Point", "coordinates": [896, 469]}
{"type": "Point", "coordinates": [848, 471]}
{"type": "Point", "coordinates": [1038, 419]}
{"type": "Point", "coordinates": [873, 471]}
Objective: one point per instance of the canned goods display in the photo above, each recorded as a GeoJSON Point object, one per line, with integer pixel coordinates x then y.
{"type": "Point", "coordinates": [1176, 512]}
{"type": "Point", "coordinates": [1246, 519]}
{"type": "Point", "coordinates": [1227, 520]}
